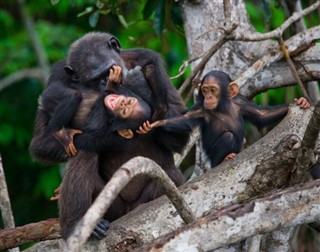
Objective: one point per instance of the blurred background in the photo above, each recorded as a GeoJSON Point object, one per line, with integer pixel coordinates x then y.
{"type": "Point", "coordinates": [37, 33]}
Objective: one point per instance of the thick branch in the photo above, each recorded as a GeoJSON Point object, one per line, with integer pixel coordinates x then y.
{"type": "Point", "coordinates": [258, 169]}
{"type": "Point", "coordinates": [279, 74]}
{"type": "Point", "coordinates": [306, 152]}
{"type": "Point", "coordinates": [294, 206]}
{"type": "Point", "coordinates": [5, 204]}
{"type": "Point", "coordinates": [296, 43]}
{"type": "Point", "coordinates": [43, 230]}
{"type": "Point", "coordinates": [119, 180]}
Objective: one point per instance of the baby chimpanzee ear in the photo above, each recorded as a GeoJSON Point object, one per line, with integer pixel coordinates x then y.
{"type": "Point", "coordinates": [233, 89]}
{"type": "Point", "coordinates": [126, 133]}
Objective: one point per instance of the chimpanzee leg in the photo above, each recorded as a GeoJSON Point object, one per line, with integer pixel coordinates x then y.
{"type": "Point", "coordinates": [225, 144]}
{"type": "Point", "coordinates": [44, 147]}
{"type": "Point", "coordinates": [79, 186]}
{"type": "Point", "coordinates": [153, 190]}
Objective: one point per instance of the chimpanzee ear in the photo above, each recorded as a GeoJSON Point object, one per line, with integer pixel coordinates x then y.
{"type": "Point", "coordinates": [114, 44]}
{"type": "Point", "coordinates": [233, 89]}
{"type": "Point", "coordinates": [71, 73]}
{"type": "Point", "coordinates": [126, 133]}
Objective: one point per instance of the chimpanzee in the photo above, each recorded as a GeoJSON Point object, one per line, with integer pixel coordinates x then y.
{"type": "Point", "coordinates": [221, 112]}
{"type": "Point", "coordinates": [88, 171]}
{"type": "Point", "coordinates": [75, 84]}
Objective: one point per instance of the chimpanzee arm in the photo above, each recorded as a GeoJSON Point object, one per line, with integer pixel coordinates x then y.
{"type": "Point", "coordinates": [100, 140]}
{"type": "Point", "coordinates": [98, 135]}
{"type": "Point", "coordinates": [155, 73]}
{"type": "Point", "coordinates": [260, 115]}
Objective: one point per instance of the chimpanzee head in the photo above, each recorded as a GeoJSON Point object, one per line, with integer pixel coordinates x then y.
{"type": "Point", "coordinates": [91, 57]}
{"type": "Point", "coordinates": [126, 110]}
{"type": "Point", "coordinates": [216, 89]}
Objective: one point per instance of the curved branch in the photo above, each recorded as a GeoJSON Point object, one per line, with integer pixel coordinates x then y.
{"type": "Point", "coordinates": [119, 180]}
{"type": "Point", "coordinates": [250, 36]}
{"type": "Point", "coordinates": [296, 43]}
{"type": "Point", "coordinates": [36, 73]}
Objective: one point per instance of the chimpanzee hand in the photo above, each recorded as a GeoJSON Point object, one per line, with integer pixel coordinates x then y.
{"type": "Point", "coordinates": [56, 195]}
{"type": "Point", "coordinates": [100, 231]}
{"type": "Point", "coordinates": [65, 137]}
{"type": "Point", "coordinates": [115, 75]}
{"type": "Point", "coordinates": [147, 126]}
{"type": "Point", "coordinates": [302, 102]}
{"type": "Point", "coordinates": [133, 76]}
{"type": "Point", "coordinates": [229, 156]}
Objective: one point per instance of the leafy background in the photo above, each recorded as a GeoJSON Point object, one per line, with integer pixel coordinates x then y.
{"type": "Point", "coordinates": [154, 24]}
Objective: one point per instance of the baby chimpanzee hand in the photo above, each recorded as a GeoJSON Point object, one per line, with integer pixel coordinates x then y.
{"type": "Point", "coordinates": [302, 102]}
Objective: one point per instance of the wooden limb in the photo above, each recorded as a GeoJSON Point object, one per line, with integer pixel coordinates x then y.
{"type": "Point", "coordinates": [205, 59]}
{"type": "Point", "coordinates": [43, 230]}
{"type": "Point", "coordinates": [35, 41]}
{"type": "Point", "coordinates": [308, 145]}
{"type": "Point", "coordinates": [36, 73]}
{"type": "Point", "coordinates": [267, 162]}
{"type": "Point", "coordinates": [192, 141]}
{"type": "Point", "coordinates": [255, 36]}
{"type": "Point", "coordinates": [119, 180]}
{"type": "Point", "coordinates": [293, 68]}
{"type": "Point", "coordinates": [296, 43]}
{"type": "Point", "coordinates": [5, 204]}
{"type": "Point", "coordinates": [296, 205]}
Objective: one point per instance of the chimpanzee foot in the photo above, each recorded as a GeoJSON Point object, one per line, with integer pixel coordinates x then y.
{"type": "Point", "coordinates": [100, 231]}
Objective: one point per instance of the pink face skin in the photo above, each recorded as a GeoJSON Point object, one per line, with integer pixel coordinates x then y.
{"type": "Point", "coordinates": [211, 92]}
{"type": "Point", "coordinates": [124, 107]}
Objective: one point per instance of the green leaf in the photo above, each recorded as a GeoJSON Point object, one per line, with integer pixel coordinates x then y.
{"type": "Point", "coordinates": [149, 8]}
{"type": "Point", "coordinates": [54, 2]}
{"type": "Point", "coordinates": [123, 21]}
{"type": "Point", "coordinates": [159, 17]}
{"type": "Point", "coordinates": [86, 11]}
{"type": "Point", "coordinates": [94, 18]}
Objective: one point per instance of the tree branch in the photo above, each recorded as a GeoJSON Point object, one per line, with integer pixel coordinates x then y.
{"type": "Point", "coordinates": [43, 230]}
{"type": "Point", "coordinates": [258, 169]}
{"type": "Point", "coordinates": [119, 180]}
{"type": "Point", "coordinates": [254, 36]}
{"type": "Point", "coordinates": [36, 73]}
{"type": "Point", "coordinates": [296, 43]}
{"type": "Point", "coordinates": [296, 205]}
{"type": "Point", "coordinates": [306, 152]}
{"type": "Point", "coordinates": [35, 41]}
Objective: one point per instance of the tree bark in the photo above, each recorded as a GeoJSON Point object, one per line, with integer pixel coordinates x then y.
{"type": "Point", "coordinates": [260, 168]}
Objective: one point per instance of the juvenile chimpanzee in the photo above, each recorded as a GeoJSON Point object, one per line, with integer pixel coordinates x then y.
{"type": "Point", "coordinates": [75, 85]}
{"type": "Point", "coordinates": [221, 112]}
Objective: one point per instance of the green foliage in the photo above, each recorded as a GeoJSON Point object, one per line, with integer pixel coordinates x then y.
{"type": "Point", "coordinates": [154, 24]}
{"type": "Point", "coordinates": [57, 26]}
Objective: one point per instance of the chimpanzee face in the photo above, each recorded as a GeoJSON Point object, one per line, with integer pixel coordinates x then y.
{"type": "Point", "coordinates": [125, 107]}
{"type": "Point", "coordinates": [210, 90]}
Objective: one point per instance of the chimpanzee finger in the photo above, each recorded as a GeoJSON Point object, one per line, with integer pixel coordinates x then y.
{"type": "Point", "coordinates": [73, 150]}
{"type": "Point", "coordinates": [100, 231]}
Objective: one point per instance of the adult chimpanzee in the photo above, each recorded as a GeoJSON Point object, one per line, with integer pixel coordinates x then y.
{"type": "Point", "coordinates": [221, 112]}
{"type": "Point", "coordinates": [87, 172]}
{"type": "Point", "coordinates": [76, 83]}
